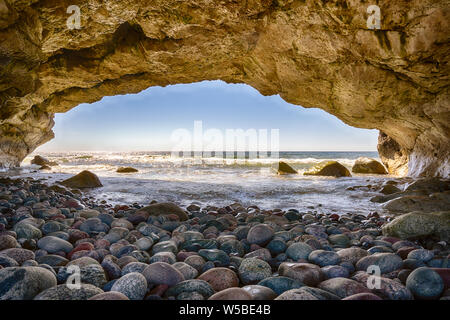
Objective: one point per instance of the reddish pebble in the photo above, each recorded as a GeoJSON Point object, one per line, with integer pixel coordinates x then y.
{"type": "Point", "coordinates": [86, 246]}
{"type": "Point", "coordinates": [71, 203]}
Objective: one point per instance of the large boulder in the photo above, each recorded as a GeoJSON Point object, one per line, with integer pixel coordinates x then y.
{"type": "Point", "coordinates": [418, 224]}
{"type": "Point", "coordinates": [161, 209]}
{"type": "Point", "coordinates": [328, 168]}
{"type": "Point", "coordinates": [284, 168]}
{"type": "Point", "coordinates": [84, 179]}
{"type": "Point", "coordinates": [41, 161]}
{"type": "Point", "coordinates": [409, 203]}
{"type": "Point", "coordinates": [368, 165]}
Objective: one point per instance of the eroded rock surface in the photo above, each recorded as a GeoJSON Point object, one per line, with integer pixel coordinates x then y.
{"type": "Point", "coordinates": [313, 53]}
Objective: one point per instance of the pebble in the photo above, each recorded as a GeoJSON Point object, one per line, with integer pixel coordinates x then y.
{"type": "Point", "coordinates": [307, 273]}
{"type": "Point", "coordinates": [220, 278]}
{"type": "Point", "coordinates": [343, 287]}
{"type": "Point", "coordinates": [260, 234]}
{"type": "Point", "coordinates": [352, 255]}
{"type": "Point", "coordinates": [258, 292]}
{"type": "Point", "coordinates": [7, 242]}
{"type": "Point", "coordinates": [423, 255]}
{"type": "Point", "coordinates": [187, 271]}
{"type": "Point", "coordinates": [196, 262]}
{"type": "Point", "coordinates": [133, 285]}
{"type": "Point", "coordinates": [425, 284]}
{"type": "Point", "coordinates": [215, 255]}
{"type": "Point", "coordinates": [280, 284]}
{"type": "Point", "coordinates": [54, 244]}
{"type": "Point", "coordinates": [162, 273]}
{"type": "Point", "coordinates": [298, 250]}
{"type": "Point", "coordinates": [253, 270]}
{"type": "Point", "coordinates": [109, 296]}
{"type": "Point", "coordinates": [340, 240]}
{"type": "Point", "coordinates": [134, 267]}
{"type": "Point", "coordinates": [18, 254]}
{"type": "Point", "coordinates": [231, 294]}
{"type": "Point", "coordinates": [335, 271]}
{"type": "Point", "coordinates": [307, 293]}
{"type": "Point", "coordinates": [190, 286]}
{"type": "Point", "coordinates": [385, 288]}
{"type": "Point", "coordinates": [387, 262]}
{"type": "Point", "coordinates": [324, 258]}
{"type": "Point", "coordinates": [24, 283]}
{"type": "Point", "coordinates": [63, 292]}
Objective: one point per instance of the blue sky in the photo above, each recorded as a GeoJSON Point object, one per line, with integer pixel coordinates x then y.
{"type": "Point", "coordinates": [146, 121]}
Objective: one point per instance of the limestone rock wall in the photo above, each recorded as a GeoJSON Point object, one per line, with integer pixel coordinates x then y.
{"type": "Point", "coordinates": [313, 53]}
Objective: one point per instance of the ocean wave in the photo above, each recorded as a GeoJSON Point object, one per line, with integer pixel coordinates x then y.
{"type": "Point", "coordinates": [108, 161]}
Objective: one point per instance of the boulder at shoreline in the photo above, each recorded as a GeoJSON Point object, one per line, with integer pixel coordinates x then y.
{"type": "Point", "coordinates": [84, 179]}
{"type": "Point", "coordinates": [419, 224]}
{"type": "Point", "coordinates": [41, 161]}
{"type": "Point", "coordinates": [126, 170]}
{"type": "Point", "coordinates": [328, 168]}
{"type": "Point", "coordinates": [368, 165]}
{"type": "Point", "coordinates": [284, 168]}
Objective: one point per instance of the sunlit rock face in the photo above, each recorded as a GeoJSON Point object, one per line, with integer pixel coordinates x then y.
{"type": "Point", "coordinates": [313, 53]}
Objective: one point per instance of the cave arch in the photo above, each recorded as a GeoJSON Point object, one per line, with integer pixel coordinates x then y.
{"type": "Point", "coordinates": [313, 53]}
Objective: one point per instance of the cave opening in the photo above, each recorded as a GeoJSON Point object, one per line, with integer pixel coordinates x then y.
{"type": "Point", "coordinates": [141, 131]}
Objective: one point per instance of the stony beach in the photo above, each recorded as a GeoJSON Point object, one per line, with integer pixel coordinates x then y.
{"type": "Point", "coordinates": [162, 251]}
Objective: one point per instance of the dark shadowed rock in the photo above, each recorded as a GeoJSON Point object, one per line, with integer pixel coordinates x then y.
{"type": "Point", "coordinates": [126, 170]}
{"type": "Point", "coordinates": [284, 168]}
{"type": "Point", "coordinates": [41, 161]}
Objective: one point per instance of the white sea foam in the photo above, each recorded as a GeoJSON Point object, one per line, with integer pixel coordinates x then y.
{"type": "Point", "coordinates": [217, 181]}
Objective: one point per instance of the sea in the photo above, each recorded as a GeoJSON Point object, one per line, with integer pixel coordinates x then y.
{"type": "Point", "coordinates": [217, 179]}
